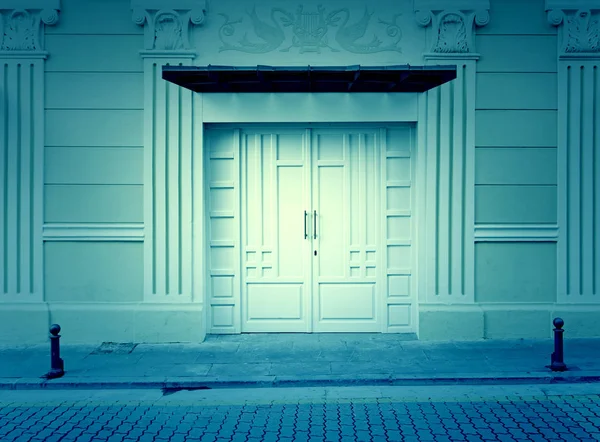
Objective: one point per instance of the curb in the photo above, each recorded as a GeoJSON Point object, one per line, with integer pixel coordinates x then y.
{"type": "Point", "coordinates": [173, 384]}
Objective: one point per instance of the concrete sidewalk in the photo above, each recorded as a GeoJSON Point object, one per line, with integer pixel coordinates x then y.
{"type": "Point", "coordinates": [299, 360]}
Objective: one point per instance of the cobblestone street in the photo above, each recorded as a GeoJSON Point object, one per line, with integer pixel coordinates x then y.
{"type": "Point", "coordinates": [441, 413]}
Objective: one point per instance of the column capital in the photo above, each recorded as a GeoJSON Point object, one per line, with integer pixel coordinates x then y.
{"type": "Point", "coordinates": [579, 20]}
{"type": "Point", "coordinates": [453, 24]}
{"type": "Point", "coordinates": [168, 25]}
{"type": "Point", "coordinates": [22, 27]}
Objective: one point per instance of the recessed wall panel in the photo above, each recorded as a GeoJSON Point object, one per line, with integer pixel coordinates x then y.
{"type": "Point", "coordinates": [222, 200]}
{"type": "Point", "coordinates": [399, 285]}
{"type": "Point", "coordinates": [398, 198]}
{"type": "Point", "coordinates": [274, 301]}
{"type": "Point", "coordinates": [399, 227]}
{"type": "Point", "coordinates": [346, 302]}
{"type": "Point", "coordinates": [221, 258]}
{"type": "Point", "coordinates": [399, 315]}
{"type": "Point", "coordinates": [222, 286]}
{"type": "Point", "coordinates": [398, 169]}
{"type": "Point", "coordinates": [222, 316]}
{"type": "Point", "coordinates": [290, 147]}
{"type": "Point", "coordinates": [222, 229]}
{"type": "Point", "coordinates": [515, 272]}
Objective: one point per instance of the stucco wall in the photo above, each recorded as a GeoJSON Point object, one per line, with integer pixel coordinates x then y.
{"type": "Point", "coordinates": [516, 173]}
{"type": "Point", "coordinates": [104, 258]}
{"type": "Point", "coordinates": [516, 170]}
{"type": "Point", "coordinates": [93, 151]}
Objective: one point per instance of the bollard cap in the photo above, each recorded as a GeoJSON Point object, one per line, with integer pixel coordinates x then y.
{"type": "Point", "coordinates": [558, 323]}
{"type": "Point", "coordinates": [54, 329]}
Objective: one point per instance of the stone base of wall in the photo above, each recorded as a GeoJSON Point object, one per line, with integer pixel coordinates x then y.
{"type": "Point", "coordinates": [506, 321]}
{"type": "Point", "coordinates": [92, 323]}
{"type": "Point", "coordinates": [28, 323]}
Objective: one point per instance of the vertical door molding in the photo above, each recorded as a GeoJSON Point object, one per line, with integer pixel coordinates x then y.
{"type": "Point", "coordinates": [22, 58]}
{"type": "Point", "coordinates": [172, 154]}
{"type": "Point", "coordinates": [447, 147]}
{"type": "Point", "coordinates": [577, 150]}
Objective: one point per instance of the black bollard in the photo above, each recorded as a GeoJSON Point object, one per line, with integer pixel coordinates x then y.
{"type": "Point", "coordinates": [557, 363]}
{"type": "Point", "coordinates": [57, 365]}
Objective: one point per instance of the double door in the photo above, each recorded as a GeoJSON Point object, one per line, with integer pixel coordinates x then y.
{"type": "Point", "coordinates": [310, 230]}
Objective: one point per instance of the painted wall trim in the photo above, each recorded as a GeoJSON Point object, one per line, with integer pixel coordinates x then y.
{"type": "Point", "coordinates": [438, 5]}
{"type": "Point", "coordinates": [572, 4]}
{"type": "Point", "coordinates": [93, 232]}
{"type": "Point", "coordinates": [510, 306]}
{"type": "Point", "coordinates": [309, 108]}
{"type": "Point", "coordinates": [546, 306]}
{"type": "Point", "coordinates": [515, 232]}
{"type": "Point", "coordinates": [144, 306]}
{"type": "Point", "coordinates": [30, 4]}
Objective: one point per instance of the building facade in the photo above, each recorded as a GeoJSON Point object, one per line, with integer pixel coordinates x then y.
{"type": "Point", "coordinates": [137, 210]}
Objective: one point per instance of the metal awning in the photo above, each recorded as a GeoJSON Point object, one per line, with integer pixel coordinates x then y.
{"type": "Point", "coordinates": [401, 78]}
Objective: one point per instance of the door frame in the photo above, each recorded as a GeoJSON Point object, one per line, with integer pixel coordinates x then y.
{"type": "Point", "coordinates": [235, 110]}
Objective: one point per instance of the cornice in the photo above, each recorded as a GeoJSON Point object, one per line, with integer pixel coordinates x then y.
{"type": "Point", "coordinates": [168, 25]}
{"type": "Point", "coordinates": [22, 27]}
{"type": "Point", "coordinates": [580, 29]}
{"type": "Point", "coordinates": [453, 23]}
{"type": "Point", "coordinates": [572, 4]}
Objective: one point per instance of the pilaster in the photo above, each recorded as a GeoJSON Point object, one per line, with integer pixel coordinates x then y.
{"type": "Point", "coordinates": [447, 143]}
{"type": "Point", "coordinates": [171, 145]}
{"type": "Point", "coordinates": [578, 148]}
{"type": "Point", "coordinates": [22, 56]}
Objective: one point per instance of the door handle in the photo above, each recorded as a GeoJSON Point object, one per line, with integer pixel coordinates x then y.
{"type": "Point", "coordinates": [315, 225]}
{"type": "Point", "coordinates": [305, 233]}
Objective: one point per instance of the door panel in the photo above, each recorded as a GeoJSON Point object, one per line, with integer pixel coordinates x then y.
{"type": "Point", "coordinates": [331, 221]}
{"type": "Point", "coordinates": [277, 255]}
{"type": "Point", "coordinates": [346, 199]}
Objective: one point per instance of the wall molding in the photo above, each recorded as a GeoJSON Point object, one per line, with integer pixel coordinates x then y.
{"type": "Point", "coordinates": [516, 232]}
{"type": "Point", "coordinates": [93, 232]}
{"type": "Point", "coordinates": [550, 307]}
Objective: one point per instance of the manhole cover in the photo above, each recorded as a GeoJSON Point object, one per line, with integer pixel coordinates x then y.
{"type": "Point", "coordinates": [114, 348]}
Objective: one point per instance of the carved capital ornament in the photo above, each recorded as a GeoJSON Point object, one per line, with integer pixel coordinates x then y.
{"type": "Point", "coordinates": [168, 25]}
{"type": "Point", "coordinates": [452, 29]}
{"type": "Point", "coordinates": [580, 23]}
{"type": "Point", "coordinates": [22, 26]}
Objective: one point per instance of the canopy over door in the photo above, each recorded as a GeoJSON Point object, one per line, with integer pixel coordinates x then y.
{"type": "Point", "coordinates": [403, 78]}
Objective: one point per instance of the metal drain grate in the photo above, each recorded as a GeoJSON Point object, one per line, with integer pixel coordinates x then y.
{"type": "Point", "coordinates": [115, 348]}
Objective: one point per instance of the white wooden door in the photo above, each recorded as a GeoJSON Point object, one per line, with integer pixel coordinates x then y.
{"type": "Point", "coordinates": [310, 229]}
{"type": "Point", "coordinates": [347, 217]}
{"type": "Point", "coordinates": [276, 250]}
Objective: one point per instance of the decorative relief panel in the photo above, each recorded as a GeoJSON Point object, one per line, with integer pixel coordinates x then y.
{"type": "Point", "coordinates": [453, 30]}
{"type": "Point", "coordinates": [23, 29]}
{"type": "Point", "coordinates": [581, 29]}
{"type": "Point", "coordinates": [310, 30]}
{"type": "Point", "coordinates": [168, 29]}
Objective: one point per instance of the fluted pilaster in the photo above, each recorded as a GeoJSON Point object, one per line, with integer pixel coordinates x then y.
{"type": "Point", "coordinates": [172, 146]}
{"type": "Point", "coordinates": [22, 58]}
{"type": "Point", "coordinates": [578, 148]}
{"type": "Point", "coordinates": [448, 144]}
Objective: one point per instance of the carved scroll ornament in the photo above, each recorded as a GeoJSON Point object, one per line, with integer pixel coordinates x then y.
{"type": "Point", "coordinates": [168, 30]}
{"type": "Point", "coordinates": [309, 31]}
{"type": "Point", "coordinates": [22, 30]}
{"type": "Point", "coordinates": [581, 30]}
{"type": "Point", "coordinates": [453, 31]}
